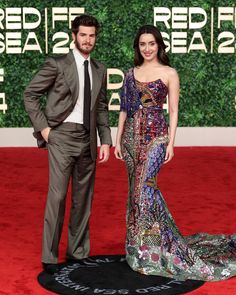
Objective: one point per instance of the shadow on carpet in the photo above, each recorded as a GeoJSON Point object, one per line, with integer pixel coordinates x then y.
{"type": "Point", "coordinates": [110, 274]}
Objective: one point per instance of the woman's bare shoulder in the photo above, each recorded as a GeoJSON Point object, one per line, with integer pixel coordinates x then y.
{"type": "Point", "coordinates": [171, 71]}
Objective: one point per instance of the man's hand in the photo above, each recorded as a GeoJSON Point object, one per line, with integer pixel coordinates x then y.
{"type": "Point", "coordinates": [104, 153]}
{"type": "Point", "coordinates": [45, 133]}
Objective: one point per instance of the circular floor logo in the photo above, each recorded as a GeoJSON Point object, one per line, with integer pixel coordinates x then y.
{"type": "Point", "coordinates": [110, 275]}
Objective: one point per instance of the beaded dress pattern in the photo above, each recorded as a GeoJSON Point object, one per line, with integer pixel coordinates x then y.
{"type": "Point", "coordinates": [154, 244]}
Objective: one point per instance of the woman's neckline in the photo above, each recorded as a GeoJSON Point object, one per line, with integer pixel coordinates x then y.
{"type": "Point", "coordinates": [148, 82]}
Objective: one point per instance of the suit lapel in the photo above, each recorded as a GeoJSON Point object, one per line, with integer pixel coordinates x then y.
{"type": "Point", "coordinates": [97, 74]}
{"type": "Point", "coordinates": [72, 78]}
{"type": "Point", "coordinates": [71, 75]}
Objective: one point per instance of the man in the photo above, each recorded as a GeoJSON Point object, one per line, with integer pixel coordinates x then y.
{"type": "Point", "coordinates": [76, 106]}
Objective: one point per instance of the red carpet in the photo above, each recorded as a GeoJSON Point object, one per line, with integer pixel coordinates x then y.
{"type": "Point", "coordinates": [199, 186]}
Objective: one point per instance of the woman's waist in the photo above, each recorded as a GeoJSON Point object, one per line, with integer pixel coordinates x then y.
{"type": "Point", "coordinates": [151, 107]}
{"type": "Point", "coordinates": [145, 108]}
{"type": "Point", "coordinates": [151, 125]}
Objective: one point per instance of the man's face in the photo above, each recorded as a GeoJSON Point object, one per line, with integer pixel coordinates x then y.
{"type": "Point", "coordinates": [85, 39]}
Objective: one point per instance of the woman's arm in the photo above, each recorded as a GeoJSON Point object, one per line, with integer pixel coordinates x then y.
{"type": "Point", "coordinates": [122, 118]}
{"type": "Point", "coordinates": [173, 97]}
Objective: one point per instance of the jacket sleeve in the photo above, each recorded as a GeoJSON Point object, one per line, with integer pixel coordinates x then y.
{"type": "Point", "coordinates": [38, 86]}
{"type": "Point", "coordinates": [102, 114]}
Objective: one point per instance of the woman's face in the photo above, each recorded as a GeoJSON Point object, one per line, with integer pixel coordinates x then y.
{"type": "Point", "coordinates": [148, 47]}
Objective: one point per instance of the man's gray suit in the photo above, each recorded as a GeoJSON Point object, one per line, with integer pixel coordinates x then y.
{"type": "Point", "coordinates": [71, 149]}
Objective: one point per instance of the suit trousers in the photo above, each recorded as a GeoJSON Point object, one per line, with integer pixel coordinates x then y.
{"type": "Point", "coordinates": [69, 158]}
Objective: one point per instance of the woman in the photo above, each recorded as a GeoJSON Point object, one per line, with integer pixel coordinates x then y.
{"type": "Point", "coordinates": [154, 244]}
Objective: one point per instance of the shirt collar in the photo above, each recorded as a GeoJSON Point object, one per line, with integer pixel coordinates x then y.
{"type": "Point", "coordinates": [79, 57]}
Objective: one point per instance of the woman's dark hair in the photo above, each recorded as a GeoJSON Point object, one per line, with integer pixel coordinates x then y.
{"type": "Point", "coordinates": [161, 54]}
{"type": "Point", "coordinates": [84, 20]}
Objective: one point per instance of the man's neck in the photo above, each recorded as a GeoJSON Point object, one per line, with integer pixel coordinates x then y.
{"type": "Point", "coordinates": [86, 56]}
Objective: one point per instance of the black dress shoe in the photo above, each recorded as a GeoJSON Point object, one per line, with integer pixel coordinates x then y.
{"type": "Point", "coordinates": [51, 268]}
{"type": "Point", "coordinates": [73, 260]}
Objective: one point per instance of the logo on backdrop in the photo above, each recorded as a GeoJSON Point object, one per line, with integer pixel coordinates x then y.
{"type": "Point", "coordinates": [22, 28]}
{"type": "Point", "coordinates": [184, 30]}
{"type": "Point", "coordinates": [190, 26]}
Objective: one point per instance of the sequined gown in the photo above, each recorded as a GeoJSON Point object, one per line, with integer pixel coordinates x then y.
{"type": "Point", "coordinates": [154, 245]}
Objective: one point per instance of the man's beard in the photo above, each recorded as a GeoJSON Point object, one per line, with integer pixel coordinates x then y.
{"type": "Point", "coordinates": [82, 50]}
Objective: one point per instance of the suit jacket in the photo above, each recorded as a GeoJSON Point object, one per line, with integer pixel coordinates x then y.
{"type": "Point", "coordinates": [58, 78]}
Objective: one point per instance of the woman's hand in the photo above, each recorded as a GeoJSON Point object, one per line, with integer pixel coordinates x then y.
{"type": "Point", "coordinates": [169, 153]}
{"type": "Point", "coordinates": [118, 153]}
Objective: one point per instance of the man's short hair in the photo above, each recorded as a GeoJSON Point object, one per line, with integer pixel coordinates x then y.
{"type": "Point", "coordinates": [85, 20]}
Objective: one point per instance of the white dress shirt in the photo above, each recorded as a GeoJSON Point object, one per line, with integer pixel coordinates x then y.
{"type": "Point", "coordinates": [76, 115]}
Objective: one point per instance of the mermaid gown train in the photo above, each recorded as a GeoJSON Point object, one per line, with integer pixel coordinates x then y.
{"type": "Point", "coordinates": [154, 245]}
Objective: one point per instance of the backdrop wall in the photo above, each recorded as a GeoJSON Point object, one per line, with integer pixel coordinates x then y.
{"type": "Point", "coordinates": [200, 36]}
